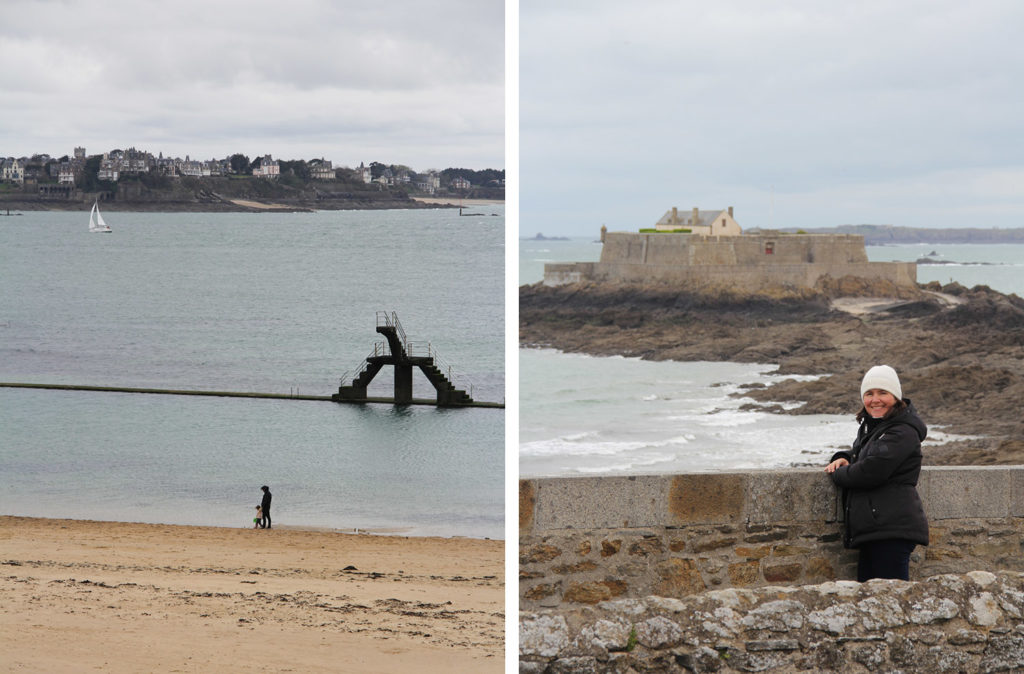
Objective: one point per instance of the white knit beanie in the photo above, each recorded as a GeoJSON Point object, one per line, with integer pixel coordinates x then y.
{"type": "Point", "coordinates": [881, 377]}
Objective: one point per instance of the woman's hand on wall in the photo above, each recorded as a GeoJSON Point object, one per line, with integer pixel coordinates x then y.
{"type": "Point", "coordinates": [838, 463]}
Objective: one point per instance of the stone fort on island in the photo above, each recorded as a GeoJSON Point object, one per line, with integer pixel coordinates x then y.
{"type": "Point", "coordinates": [707, 248]}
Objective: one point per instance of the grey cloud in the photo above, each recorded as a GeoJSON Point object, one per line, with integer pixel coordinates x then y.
{"type": "Point", "coordinates": [98, 70]}
{"type": "Point", "coordinates": [707, 101]}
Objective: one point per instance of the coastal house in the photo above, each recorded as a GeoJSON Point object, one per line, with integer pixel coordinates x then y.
{"type": "Point", "coordinates": [12, 171]}
{"type": "Point", "coordinates": [268, 168]}
{"type": "Point", "coordinates": [194, 169]}
{"type": "Point", "coordinates": [110, 167]}
{"type": "Point", "coordinates": [460, 183]}
{"type": "Point", "coordinates": [719, 222]}
{"type": "Point", "coordinates": [428, 182]}
{"type": "Point", "coordinates": [708, 249]}
{"type": "Point", "coordinates": [66, 173]}
{"type": "Point", "coordinates": [167, 166]}
{"type": "Point", "coordinates": [217, 167]}
{"type": "Point", "coordinates": [321, 169]}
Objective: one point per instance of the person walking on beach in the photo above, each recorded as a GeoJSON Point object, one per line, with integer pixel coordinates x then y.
{"type": "Point", "coordinates": [884, 519]}
{"type": "Point", "coordinates": [256, 521]}
{"type": "Point", "coordinates": [265, 506]}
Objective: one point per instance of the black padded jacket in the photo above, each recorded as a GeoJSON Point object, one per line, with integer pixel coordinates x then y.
{"type": "Point", "coordinates": [880, 496]}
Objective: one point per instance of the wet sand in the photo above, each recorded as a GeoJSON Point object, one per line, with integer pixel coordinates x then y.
{"type": "Point", "coordinates": [121, 597]}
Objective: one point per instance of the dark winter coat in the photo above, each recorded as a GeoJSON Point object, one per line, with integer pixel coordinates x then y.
{"type": "Point", "coordinates": [266, 502]}
{"type": "Point", "coordinates": [880, 484]}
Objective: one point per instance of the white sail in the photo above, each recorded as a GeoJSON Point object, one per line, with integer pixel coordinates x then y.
{"type": "Point", "coordinates": [96, 223]}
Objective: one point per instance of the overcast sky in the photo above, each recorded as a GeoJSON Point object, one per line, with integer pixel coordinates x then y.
{"type": "Point", "coordinates": [399, 82]}
{"type": "Point", "coordinates": [796, 113]}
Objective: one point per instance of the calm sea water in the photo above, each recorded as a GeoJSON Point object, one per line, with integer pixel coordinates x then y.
{"type": "Point", "coordinates": [282, 303]}
{"type": "Point", "coordinates": [583, 415]}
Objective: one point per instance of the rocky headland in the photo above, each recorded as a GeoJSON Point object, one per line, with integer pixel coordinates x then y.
{"type": "Point", "coordinates": [959, 351]}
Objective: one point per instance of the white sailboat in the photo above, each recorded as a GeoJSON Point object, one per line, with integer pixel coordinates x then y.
{"type": "Point", "coordinates": [96, 223]}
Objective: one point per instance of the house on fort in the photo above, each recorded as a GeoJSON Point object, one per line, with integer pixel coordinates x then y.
{"type": "Point", "coordinates": [699, 222]}
{"type": "Point", "coordinates": [707, 248]}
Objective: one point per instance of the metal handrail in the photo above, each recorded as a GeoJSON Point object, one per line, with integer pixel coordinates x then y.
{"type": "Point", "coordinates": [354, 372]}
{"type": "Point", "coordinates": [383, 318]}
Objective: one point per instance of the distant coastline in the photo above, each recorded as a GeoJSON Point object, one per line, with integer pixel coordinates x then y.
{"type": "Point", "coordinates": [880, 235]}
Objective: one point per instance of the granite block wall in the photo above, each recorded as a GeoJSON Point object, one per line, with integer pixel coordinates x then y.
{"type": "Point", "coordinates": [588, 540]}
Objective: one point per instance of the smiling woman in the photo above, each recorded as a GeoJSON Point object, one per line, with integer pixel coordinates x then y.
{"type": "Point", "coordinates": [884, 517]}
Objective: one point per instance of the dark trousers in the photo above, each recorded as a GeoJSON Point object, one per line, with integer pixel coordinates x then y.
{"type": "Point", "coordinates": [885, 559]}
{"type": "Point", "coordinates": [265, 522]}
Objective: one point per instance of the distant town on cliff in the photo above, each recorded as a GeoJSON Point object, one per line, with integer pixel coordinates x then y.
{"type": "Point", "coordinates": [133, 175]}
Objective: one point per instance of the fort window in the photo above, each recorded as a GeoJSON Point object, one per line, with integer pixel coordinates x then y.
{"type": "Point", "coordinates": [769, 247]}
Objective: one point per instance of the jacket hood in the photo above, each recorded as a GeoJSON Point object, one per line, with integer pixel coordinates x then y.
{"type": "Point", "coordinates": [909, 416]}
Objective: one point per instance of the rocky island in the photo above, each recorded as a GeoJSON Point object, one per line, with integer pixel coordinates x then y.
{"type": "Point", "coordinates": [698, 288]}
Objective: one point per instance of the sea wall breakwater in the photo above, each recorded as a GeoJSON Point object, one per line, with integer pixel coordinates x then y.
{"type": "Point", "coordinates": [959, 351]}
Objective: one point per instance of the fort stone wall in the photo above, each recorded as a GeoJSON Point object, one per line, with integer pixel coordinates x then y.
{"type": "Point", "coordinates": [744, 262]}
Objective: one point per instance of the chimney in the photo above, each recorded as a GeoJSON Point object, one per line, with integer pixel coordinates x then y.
{"type": "Point", "coordinates": [730, 211]}
{"type": "Point", "coordinates": [696, 218]}
{"type": "Point", "coordinates": [675, 216]}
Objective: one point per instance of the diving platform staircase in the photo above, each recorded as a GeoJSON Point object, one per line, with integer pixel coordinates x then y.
{"type": "Point", "coordinates": [403, 355]}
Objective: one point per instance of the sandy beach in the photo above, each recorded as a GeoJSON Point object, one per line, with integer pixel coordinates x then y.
{"type": "Point", "coordinates": [121, 597]}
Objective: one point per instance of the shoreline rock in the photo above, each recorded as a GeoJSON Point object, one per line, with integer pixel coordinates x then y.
{"type": "Point", "coordinates": [960, 361]}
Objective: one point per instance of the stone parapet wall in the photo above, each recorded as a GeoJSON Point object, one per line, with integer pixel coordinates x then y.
{"type": "Point", "coordinates": [589, 540]}
{"type": "Point", "coordinates": [971, 622]}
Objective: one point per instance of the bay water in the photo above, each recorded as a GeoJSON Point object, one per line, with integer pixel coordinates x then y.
{"type": "Point", "coordinates": [585, 415]}
{"type": "Point", "coordinates": [266, 302]}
